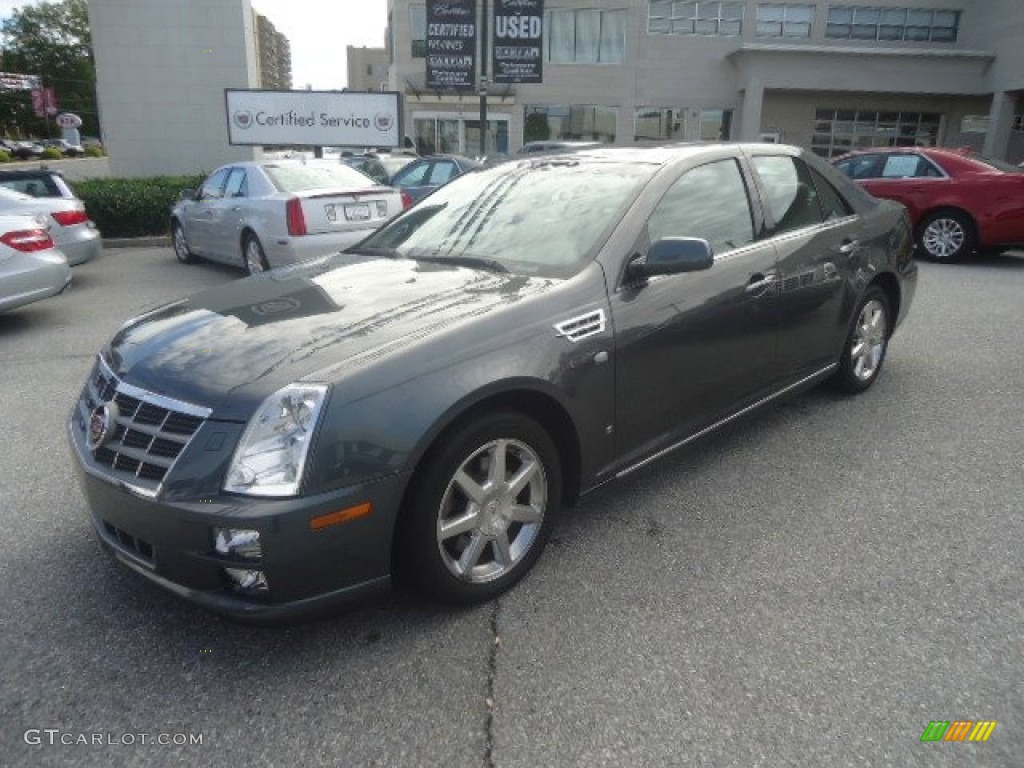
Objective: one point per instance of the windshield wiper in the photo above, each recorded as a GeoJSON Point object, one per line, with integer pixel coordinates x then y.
{"type": "Point", "coordinates": [463, 261]}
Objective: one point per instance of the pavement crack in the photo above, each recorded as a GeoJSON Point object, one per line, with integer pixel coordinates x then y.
{"type": "Point", "coordinates": [492, 665]}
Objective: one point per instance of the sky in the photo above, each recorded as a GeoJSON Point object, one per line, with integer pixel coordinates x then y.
{"type": "Point", "coordinates": [318, 30]}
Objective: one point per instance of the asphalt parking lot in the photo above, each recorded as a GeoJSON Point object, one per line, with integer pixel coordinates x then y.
{"type": "Point", "coordinates": [809, 588]}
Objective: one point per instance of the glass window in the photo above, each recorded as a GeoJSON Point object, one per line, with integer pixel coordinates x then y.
{"type": "Point", "coordinates": [298, 177]}
{"type": "Point", "coordinates": [709, 202]}
{"type": "Point", "coordinates": [659, 124]}
{"type": "Point", "coordinates": [913, 24]}
{"type": "Point", "coordinates": [866, 129]}
{"type": "Point", "coordinates": [418, 30]}
{"type": "Point", "coordinates": [715, 124]}
{"type": "Point", "coordinates": [791, 195]}
{"type": "Point", "coordinates": [213, 187]}
{"type": "Point", "coordinates": [236, 186]}
{"type": "Point", "coordinates": [570, 122]}
{"type": "Point", "coordinates": [784, 20]}
{"type": "Point", "coordinates": [412, 175]}
{"type": "Point", "coordinates": [586, 37]}
{"type": "Point", "coordinates": [443, 171]}
{"type": "Point", "coordinates": [860, 167]}
{"type": "Point", "coordinates": [695, 18]}
{"type": "Point", "coordinates": [907, 167]}
{"type": "Point", "coordinates": [833, 204]}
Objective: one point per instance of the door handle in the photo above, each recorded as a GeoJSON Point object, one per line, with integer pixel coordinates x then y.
{"type": "Point", "coordinates": [760, 284]}
{"type": "Point", "coordinates": [848, 247]}
{"type": "Point", "coordinates": [236, 208]}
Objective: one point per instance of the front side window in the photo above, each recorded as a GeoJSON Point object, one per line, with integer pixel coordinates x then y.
{"type": "Point", "coordinates": [791, 196]}
{"type": "Point", "coordinates": [672, 17]}
{"type": "Point", "coordinates": [213, 187]}
{"type": "Point", "coordinates": [659, 124]}
{"type": "Point", "coordinates": [784, 20]}
{"type": "Point", "coordinates": [586, 36]}
{"type": "Point", "coordinates": [709, 202]}
{"type": "Point", "coordinates": [850, 22]}
{"type": "Point", "coordinates": [570, 123]}
{"type": "Point", "coordinates": [412, 176]}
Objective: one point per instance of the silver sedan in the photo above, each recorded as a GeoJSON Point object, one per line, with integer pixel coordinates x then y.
{"type": "Point", "coordinates": [259, 215]}
{"type": "Point", "coordinates": [69, 225]}
{"type": "Point", "coordinates": [30, 267]}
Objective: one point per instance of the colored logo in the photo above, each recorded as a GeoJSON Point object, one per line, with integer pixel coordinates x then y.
{"type": "Point", "coordinates": [242, 118]}
{"type": "Point", "coordinates": [958, 730]}
{"type": "Point", "coordinates": [102, 422]}
{"type": "Point", "coordinates": [383, 121]}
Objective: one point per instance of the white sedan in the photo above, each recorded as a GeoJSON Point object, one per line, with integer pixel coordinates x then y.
{"type": "Point", "coordinates": [30, 267]}
{"type": "Point", "coordinates": [260, 215]}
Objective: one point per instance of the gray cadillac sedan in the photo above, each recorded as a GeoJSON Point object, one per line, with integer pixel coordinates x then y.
{"type": "Point", "coordinates": [425, 404]}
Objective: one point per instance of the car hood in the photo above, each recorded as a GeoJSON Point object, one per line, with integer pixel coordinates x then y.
{"type": "Point", "coordinates": [230, 347]}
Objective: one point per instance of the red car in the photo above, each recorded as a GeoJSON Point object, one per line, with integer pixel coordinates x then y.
{"type": "Point", "coordinates": [958, 200]}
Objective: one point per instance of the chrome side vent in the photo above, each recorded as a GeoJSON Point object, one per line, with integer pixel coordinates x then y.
{"type": "Point", "coordinates": [578, 328]}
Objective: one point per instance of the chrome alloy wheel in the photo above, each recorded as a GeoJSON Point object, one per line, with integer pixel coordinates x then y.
{"type": "Point", "coordinates": [254, 260]}
{"type": "Point", "coordinates": [869, 337]}
{"type": "Point", "coordinates": [944, 238]}
{"type": "Point", "coordinates": [180, 245]}
{"type": "Point", "coordinates": [492, 511]}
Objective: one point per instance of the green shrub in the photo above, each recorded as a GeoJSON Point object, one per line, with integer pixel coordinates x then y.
{"type": "Point", "coordinates": [5, 156]}
{"type": "Point", "coordinates": [133, 207]}
{"type": "Point", "coordinates": [52, 154]}
{"type": "Point", "coordinates": [93, 151]}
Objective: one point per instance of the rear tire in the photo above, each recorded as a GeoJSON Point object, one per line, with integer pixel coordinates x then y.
{"type": "Point", "coordinates": [253, 257]}
{"type": "Point", "coordinates": [946, 236]}
{"type": "Point", "coordinates": [481, 510]}
{"type": "Point", "coordinates": [866, 344]}
{"type": "Point", "coordinates": [180, 244]}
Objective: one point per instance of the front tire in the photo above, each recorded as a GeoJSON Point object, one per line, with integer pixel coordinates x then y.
{"type": "Point", "coordinates": [254, 257]}
{"type": "Point", "coordinates": [866, 344]}
{"type": "Point", "coordinates": [481, 510]}
{"type": "Point", "coordinates": [946, 236]}
{"type": "Point", "coordinates": [180, 244]}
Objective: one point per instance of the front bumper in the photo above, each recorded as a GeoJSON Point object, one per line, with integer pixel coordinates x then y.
{"type": "Point", "coordinates": [309, 572]}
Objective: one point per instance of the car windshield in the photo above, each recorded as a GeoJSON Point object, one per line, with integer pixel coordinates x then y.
{"type": "Point", "coordinates": [533, 217]}
{"type": "Point", "coordinates": [300, 177]}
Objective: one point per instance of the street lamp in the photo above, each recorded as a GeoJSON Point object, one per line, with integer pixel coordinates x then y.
{"type": "Point", "coordinates": [483, 116]}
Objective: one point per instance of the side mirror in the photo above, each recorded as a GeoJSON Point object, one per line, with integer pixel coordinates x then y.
{"type": "Point", "coordinates": [672, 256]}
{"type": "Point", "coordinates": [188, 194]}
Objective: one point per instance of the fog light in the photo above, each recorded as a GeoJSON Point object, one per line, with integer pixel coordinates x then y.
{"type": "Point", "coordinates": [250, 581]}
{"type": "Point", "coordinates": [237, 542]}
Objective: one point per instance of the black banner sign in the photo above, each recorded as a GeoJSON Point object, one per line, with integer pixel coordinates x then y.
{"type": "Point", "coordinates": [451, 43]}
{"type": "Point", "coordinates": [518, 41]}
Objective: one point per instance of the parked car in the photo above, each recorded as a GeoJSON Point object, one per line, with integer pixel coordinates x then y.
{"type": "Point", "coordinates": [379, 167]}
{"type": "Point", "coordinates": [65, 147]}
{"type": "Point", "coordinates": [21, 150]}
{"type": "Point", "coordinates": [549, 147]}
{"type": "Point", "coordinates": [421, 177]}
{"type": "Point", "coordinates": [37, 182]}
{"type": "Point", "coordinates": [73, 232]}
{"type": "Point", "coordinates": [958, 200]}
{"type": "Point", "coordinates": [260, 215]}
{"type": "Point", "coordinates": [31, 268]}
{"type": "Point", "coordinates": [424, 403]}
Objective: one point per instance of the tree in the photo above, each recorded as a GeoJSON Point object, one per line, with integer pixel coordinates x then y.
{"type": "Point", "coordinates": [51, 40]}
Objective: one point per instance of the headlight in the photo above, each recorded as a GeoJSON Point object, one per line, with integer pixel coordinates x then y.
{"type": "Point", "coordinates": [272, 453]}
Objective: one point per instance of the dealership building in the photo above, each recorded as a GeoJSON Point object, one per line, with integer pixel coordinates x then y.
{"type": "Point", "coordinates": [828, 75]}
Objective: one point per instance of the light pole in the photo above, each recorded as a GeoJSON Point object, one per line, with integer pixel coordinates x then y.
{"type": "Point", "coordinates": [483, 116]}
{"type": "Point", "coordinates": [484, 55]}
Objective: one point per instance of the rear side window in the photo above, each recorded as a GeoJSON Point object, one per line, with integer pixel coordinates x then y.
{"type": "Point", "coordinates": [302, 177]}
{"type": "Point", "coordinates": [42, 186]}
{"type": "Point", "coordinates": [833, 204]}
{"type": "Point", "coordinates": [908, 167]}
{"type": "Point", "coordinates": [792, 198]}
{"type": "Point", "coordinates": [710, 202]}
{"type": "Point", "coordinates": [236, 184]}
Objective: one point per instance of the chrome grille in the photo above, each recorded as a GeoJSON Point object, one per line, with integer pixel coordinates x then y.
{"type": "Point", "coordinates": [582, 327]}
{"type": "Point", "coordinates": [151, 431]}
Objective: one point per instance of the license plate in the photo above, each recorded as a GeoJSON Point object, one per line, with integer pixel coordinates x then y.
{"type": "Point", "coordinates": [357, 211]}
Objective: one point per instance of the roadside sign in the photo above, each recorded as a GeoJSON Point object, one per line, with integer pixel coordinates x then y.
{"type": "Point", "coordinates": [518, 41]}
{"type": "Point", "coordinates": [451, 44]}
{"type": "Point", "coordinates": [313, 118]}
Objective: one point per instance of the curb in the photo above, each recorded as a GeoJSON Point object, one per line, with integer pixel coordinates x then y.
{"type": "Point", "coordinates": [137, 242]}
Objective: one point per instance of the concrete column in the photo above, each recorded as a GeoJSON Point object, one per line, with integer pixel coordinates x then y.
{"type": "Point", "coordinates": [1000, 122]}
{"type": "Point", "coordinates": [753, 102]}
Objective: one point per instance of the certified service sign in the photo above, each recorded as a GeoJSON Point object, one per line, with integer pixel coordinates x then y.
{"type": "Point", "coordinates": [313, 118]}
